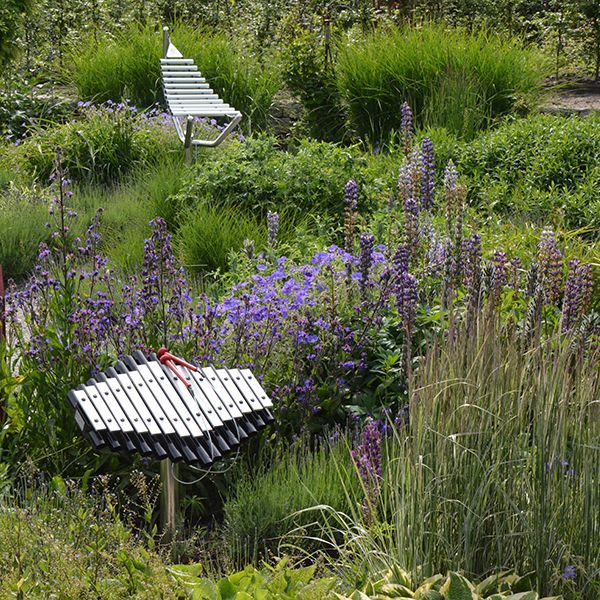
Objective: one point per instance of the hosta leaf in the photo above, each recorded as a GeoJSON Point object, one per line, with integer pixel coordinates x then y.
{"type": "Point", "coordinates": [523, 596]}
{"type": "Point", "coordinates": [401, 576]}
{"type": "Point", "coordinates": [421, 594]}
{"type": "Point", "coordinates": [205, 590]}
{"type": "Point", "coordinates": [395, 590]}
{"type": "Point", "coordinates": [458, 588]}
{"type": "Point", "coordinates": [492, 583]}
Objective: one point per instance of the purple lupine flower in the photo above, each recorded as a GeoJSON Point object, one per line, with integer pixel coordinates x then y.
{"type": "Point", "coordinates": [427, 174]}
{"type": "Point", "coordinates": [411, 225]}
{"type": "Point", "coordinates": [515, 273]}
{"type": "Point", "coordinates": [499, 274]}
{"type": "Point", "coordinates": [577, 294]}
{"type": "Point", "coordinates": [405, 181]}
{"type": "Point", "coordinates": [551, 266]}
{"type": "Point", "coordinates": [450, 179]}
{"type": "Point", "coordinates": [273, 228]}
{"type": "Point", "coordinates": [367, 242]}
{"type": "Point", "coordinates": [350, 207]}
{"type": "Point", "coordinates": [406, 128]}
{"type": "Point", "coordinates": [351, 194]}
{"type": "Point", "coordinates": [367, 457]}
{"type": "Point", "coordinates": [401, 259]}
{"type": "Point", "coordinates": [472, 272]}
{"type": "Point", "coordinates": [407, 297]}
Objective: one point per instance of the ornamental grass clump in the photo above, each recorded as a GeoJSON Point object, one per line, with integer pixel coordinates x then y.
{"type": "Point", "coordinates": [497, 467]}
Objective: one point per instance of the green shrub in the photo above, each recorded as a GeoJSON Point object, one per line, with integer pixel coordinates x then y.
{"type": "Point", "coordinates": [314, 82]}
{"type": "Point", "coordinates": [128, 67]}
{"type": "Point", "coordinates": [102, 147]}
{"type": "Point", "coordinates": [540, 167]}
{"type": "Point", "coordinates": [65, 543]}
{"type": "Point", "coordinates": [258, 177]}
{"type": "Point", "coordinates": [451, 78]}
{"type": "Point", "coordinates": [266, 505]}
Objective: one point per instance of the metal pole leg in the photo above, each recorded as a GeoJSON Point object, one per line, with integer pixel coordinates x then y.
{"type": "Point", "coordinates": [169, 498]}
{"type": "Point", "coordinates": [187, 144]}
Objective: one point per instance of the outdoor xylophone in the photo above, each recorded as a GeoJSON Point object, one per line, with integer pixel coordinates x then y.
{"type": "Point", "coordinates": [166, 408]}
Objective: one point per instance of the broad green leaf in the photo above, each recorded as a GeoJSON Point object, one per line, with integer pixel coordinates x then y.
{"type": "Point", "coordinates": [395, 590]}
{"type": "Point", "coordinates": [422, 594]}
{"type": "Point", "coordinates": [458, 588]}
{"type": "Point", "coordinates": [523, 596]}
{"type": "Point", "coordinates": [491, 584]}
{"type": "Point", "coordinates": [205, 590]}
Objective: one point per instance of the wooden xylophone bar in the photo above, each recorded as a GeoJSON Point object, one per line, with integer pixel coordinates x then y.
{"type": "Point", "coordinates": [140, 405]}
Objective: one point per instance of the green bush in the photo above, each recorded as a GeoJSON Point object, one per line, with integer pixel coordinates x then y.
{"type": "Point", "coordinates": [266, 505]}
{"type": "Point", "coordinates": [128, 67]}
{"type": "Point", "coordinates": [65, 543]}
{"type": "Point", "coordinates": [257, 176]}
{"type": "Point", "coordinates": [539, 167]}
{"type": "Point", "coordinates": [314, 82]}
{"type": "Point", "coordinates": [450, 78]}
{"type": "Point", "coordinates": [102, 147]}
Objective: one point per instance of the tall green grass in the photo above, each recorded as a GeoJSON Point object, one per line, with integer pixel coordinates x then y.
{"type": "Point", "coordinates": [499, 468]}
{"type": "Point", "coordinates": [209, 234]}
{"type": "Point", "coordinates": [22, 220]}
{"type": "Point", "coordinates": [450, 77]}
{"type": "Point", "coordinates": [127, 66]}
{"type": "Point", "coordinates": [266, 511]}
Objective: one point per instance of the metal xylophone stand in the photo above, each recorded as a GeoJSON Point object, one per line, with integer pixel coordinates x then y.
{"type": "Point", "coordinates": [169, 498]}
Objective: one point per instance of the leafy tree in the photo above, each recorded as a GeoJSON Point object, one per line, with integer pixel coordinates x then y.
{"type": "Point", "coordinates": [12, 13]}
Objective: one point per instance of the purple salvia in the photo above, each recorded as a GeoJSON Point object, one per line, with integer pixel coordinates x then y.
{"type": "Point", "coordinates": [406, 128]}
{"type": "Point", "coordinates": [273, 229]}
{"type": "Point", "coordinates": [427, 174]}
{"type": "Point", "coordinates": [551, 266]}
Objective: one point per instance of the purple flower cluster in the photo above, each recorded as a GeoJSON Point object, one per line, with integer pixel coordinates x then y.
{"type": "Point", "coordinates": [367, 457]}
{"type": "Point", "coordinates": [273, 229]}
{"type": "Point", "coordinates": [551, 266]}
{"type": "Point", "coordinates": [428, 174]}
{"type": "Point", "coordinates": [350, 208]}
{"type": "Point", "coordinates": [577, 295]}
{"type": "Point", "coordinates": [406, 128]}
